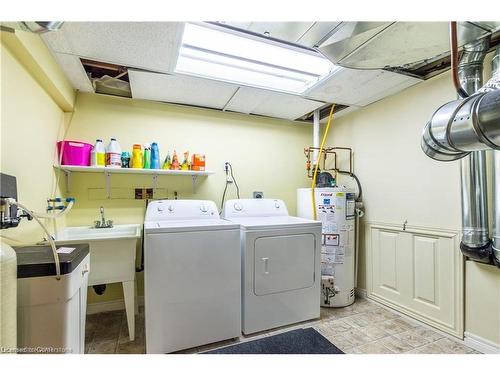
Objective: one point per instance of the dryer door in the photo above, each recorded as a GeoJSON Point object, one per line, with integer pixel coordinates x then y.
{"type": "Point", "coordinates": [283, 263]}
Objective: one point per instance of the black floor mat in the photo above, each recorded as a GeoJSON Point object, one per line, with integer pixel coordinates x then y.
{"type": "Point", "coordinates": [299, 341]}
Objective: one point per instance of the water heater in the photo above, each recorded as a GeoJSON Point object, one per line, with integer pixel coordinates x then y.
{"type": "Point", "coordinates": [335, 208]}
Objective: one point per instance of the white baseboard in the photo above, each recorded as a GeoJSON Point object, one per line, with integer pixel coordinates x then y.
{"type": "Point", "coordinates": [118, 304]}
{"type": "Point", "coordinates": [361, 293]}
{"type": "Point", "coordinates": [480, 344]}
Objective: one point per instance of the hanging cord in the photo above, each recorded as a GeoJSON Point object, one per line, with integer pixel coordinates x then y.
{"type": "Point", "coordinates": [355, 178]}
{"type": "Point", "coordinates": [141, 267]}
{"type": "Point", "coordinates": [49, 237]}
{"type": "Point", "coordinates": [223, 198]}
{"type": "Point", "coordinates": [313, 184]}
{"type": "Point", "coordinates": [234, 180]}
{"type": "Point", "coordinates": [229, 169]}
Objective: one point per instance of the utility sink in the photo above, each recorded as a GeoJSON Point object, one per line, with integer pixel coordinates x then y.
{"type": "Point", "coordinates": [92, 234]}
{"type": "Point", "coordinates": [112, 259]}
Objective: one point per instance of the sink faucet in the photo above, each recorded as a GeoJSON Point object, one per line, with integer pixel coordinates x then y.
{"type": "Point", "coordinates": [103, 223]}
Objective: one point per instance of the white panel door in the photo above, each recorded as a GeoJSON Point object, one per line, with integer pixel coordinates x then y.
{"type": "Point", "coordinates": [419, 272]}
{"type": "Point", "coordinates": [284, 263]}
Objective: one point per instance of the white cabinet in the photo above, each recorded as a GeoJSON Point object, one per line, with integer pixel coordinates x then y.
{"type": "Point", "coordinates": [418, 271]}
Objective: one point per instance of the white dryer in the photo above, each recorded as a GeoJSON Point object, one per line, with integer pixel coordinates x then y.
{"type": "Point", "coordinates": [280, 264]}
{"type": "Point", "coordinates": [192, 276]}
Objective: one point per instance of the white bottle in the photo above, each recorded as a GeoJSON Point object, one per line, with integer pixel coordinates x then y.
{"type": "Point", "coordinates": [100, 153]}
{"type": "Point", "coordinates": [113, 154]}
{"type": "Point", "coordinates": [93, 157]}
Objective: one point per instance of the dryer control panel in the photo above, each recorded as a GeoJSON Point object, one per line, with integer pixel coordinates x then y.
{"type": "Point", "coordinates": [182, 209]}
{"type": "Point", "coordinates": [254, 207]}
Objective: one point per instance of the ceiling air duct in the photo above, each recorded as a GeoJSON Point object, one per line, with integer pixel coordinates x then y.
{"type": "Point", "coordinates": [383, 45]}
{"type": "Point", "coordinates": [37, 27]}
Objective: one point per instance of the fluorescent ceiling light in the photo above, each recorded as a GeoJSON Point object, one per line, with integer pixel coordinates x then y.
{"type": "Point", "coordinates": [248, 60]}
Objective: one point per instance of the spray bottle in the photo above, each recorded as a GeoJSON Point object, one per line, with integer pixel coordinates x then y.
{"type": "Point", "coordinates": [175, 162]}
{"type": "Point", "coordinates": [147, 156]}
{"type": "Point", "coordinates": [167, 163]}
{"type": "Point", "coordinates": [155, 156]}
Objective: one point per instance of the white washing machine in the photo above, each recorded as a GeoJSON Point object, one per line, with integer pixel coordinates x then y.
{"type": "Point", "coordinates": [192, 275]}
{"type": "Point", "coordinates": [280, 264]}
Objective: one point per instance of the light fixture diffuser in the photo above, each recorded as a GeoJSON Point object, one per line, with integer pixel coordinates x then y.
{"type": "Point", "coordinates": [249, 60]}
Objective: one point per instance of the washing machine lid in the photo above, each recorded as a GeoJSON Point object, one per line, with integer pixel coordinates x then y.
{"type": "Point", "coordinates": [275, 222]}
{"type": "Point", "coordinates": [175, 226]}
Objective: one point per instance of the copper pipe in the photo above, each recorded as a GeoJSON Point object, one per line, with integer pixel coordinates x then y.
{"type": "Point", "coordinates": [454, 60]}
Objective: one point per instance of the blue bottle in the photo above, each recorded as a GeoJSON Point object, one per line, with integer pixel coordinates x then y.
{"type": "Point", "coordinates": [155, 156]}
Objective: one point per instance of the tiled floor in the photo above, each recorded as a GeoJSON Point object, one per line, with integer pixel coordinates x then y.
{"type": "Point", "coordinates": [362, 328]}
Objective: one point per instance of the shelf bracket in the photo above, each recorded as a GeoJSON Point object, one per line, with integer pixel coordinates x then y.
{"type": "Point", "coordinates": [194, 178]}
{"type": "Point", "coordinates": [68, 181]}
{"type": "Point", "coordinates": [107, 177]}
{"type": "Point", "coordinates": [155, 183]}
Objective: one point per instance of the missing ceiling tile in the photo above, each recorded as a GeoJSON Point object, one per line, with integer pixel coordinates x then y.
{"type": "Point", "coordinates": [109, 79]}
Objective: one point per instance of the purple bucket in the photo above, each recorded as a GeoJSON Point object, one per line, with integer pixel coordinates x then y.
{"type": "Point", "coordinates": [74, 152]}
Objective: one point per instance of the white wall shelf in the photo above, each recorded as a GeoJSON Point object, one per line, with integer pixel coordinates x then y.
{"type": "Point", "coordinates": [69, 169]}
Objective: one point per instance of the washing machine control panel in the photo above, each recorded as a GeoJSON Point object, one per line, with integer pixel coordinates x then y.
{"type": "Point", "coordinates": [181, 210]}
{"type": "Point", "coordinates": [254, 207]}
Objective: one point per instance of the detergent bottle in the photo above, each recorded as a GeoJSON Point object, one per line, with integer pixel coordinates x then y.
{"type": "Point", "coordinates": [155, 156]}
{"type": "Point", "coordinates": [113, 154]}
{"type": "Point", "coordinates": [147, 156]}
{"type": "Point", "coordinates": [175, 162]}
{"type": "Point", "coordinates": [137, 161]}
{"type": "Point", "coordinates": [167, 163]}
{"type": "Point", "coordinates": [185, 162]}
{"type": "Point", "coordinates": [100, 153]}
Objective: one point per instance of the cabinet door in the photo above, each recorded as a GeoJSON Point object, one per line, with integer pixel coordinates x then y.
{"type": "Point", "coordinates": [389, 263]}
{"type": "Point", "coordinates": [418, 272]}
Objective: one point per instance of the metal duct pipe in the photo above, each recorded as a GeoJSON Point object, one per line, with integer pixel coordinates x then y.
{"type": "Point", "coordinates": [475, 242]}
{"type": "Point", "coordinates": [463, 129]}
{"type": "Point", "coordinates": [495, 67]}
{"type": "Point", "coordinates": [496, 208]}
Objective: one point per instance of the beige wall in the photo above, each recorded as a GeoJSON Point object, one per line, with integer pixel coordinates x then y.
{"type": "Point", "coordinates": [482, 309]}
{"type": "Point", "coordinates": [30, 124]}
{"type": "Point", "coordinates": [401, 183]}
{"type": "Point", "coordinates": [267, 155]}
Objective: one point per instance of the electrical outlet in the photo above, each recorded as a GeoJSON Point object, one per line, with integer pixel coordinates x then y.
{"type": "Point", "coordinates": [229, 179]}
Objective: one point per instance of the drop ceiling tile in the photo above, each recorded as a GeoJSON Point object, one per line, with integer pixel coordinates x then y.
{"type": "Point", "coordinates": [180, 89]}
{"type": "Point", "coordinates": [316, 33]}
{"type": "Point", "coordinates": [287, 31]}
{"type": "Point", "coordinates": [74, 71]}
{"type": "Point", "coordinates": [360, 87]}
{"type": "Point", "coordinates": [270, 103]}
{"type": "Point", "coordinates": [145, 45]}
